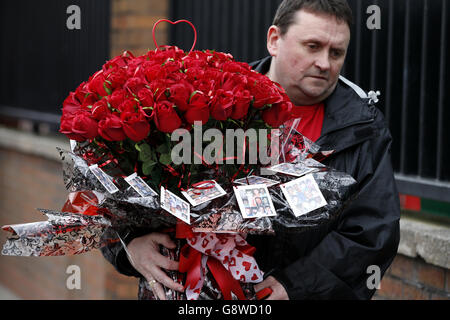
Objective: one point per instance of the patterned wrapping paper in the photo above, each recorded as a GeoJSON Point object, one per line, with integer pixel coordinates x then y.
{"type": "Point", "coordinates": [63, 234]}
{"type": "Point", "coordinates": [92, 218]}
{"type": "Point", "coordinates": [128, 208]}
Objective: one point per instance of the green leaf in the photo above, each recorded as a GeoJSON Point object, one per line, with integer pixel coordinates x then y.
{"type": "Point", "coordinates": [145, 152]}
{"type": "Point", "coordinates": [108, 90]}
{"type": "Point", "coordinates": [147, 167]}
{"type": "Point", "coordinates": [163, 148]}
{"type": "Point", "coordinates": [165, 158]}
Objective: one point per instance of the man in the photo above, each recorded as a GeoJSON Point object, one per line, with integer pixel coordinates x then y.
{"type": "Point", "coordinates": [308, 43]}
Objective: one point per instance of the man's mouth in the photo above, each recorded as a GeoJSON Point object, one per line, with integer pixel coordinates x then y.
{"type": "Point", "coordinates": [319, 77]}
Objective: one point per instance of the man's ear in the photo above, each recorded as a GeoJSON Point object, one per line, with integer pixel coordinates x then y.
{"type": "Point", "coordinates": [273, 35]}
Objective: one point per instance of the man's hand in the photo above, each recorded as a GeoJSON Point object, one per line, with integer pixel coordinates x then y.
{"type": "Point", "coordinates": [146, 258]}
{"type": "Point", "coordinates": [279, 293]}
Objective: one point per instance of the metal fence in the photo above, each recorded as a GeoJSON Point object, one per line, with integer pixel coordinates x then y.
{"type": "Point", "coordinates": [405, 60]}
{"type": "Point", "coordinates": [41, 60]}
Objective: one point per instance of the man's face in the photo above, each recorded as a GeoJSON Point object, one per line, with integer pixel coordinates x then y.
{"type": "Point", "coordinates": [308, 58]}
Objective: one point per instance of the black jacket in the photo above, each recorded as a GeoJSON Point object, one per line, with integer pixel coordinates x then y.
{"type": "Point", "coordinates": [331, 261]}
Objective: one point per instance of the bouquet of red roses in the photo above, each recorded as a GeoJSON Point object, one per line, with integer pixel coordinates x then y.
{"type": "Point", "coordinates": [122, 122]}
{"type": "Point", "coordinates": [127, 110]}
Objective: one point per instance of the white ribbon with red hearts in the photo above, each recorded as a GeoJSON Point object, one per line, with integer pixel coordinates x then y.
{"type": "Point", "coordinates": [225, 248]}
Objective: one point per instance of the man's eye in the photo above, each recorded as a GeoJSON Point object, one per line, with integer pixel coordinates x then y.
{"type": "Point", "coordinates": [313, 46]}
{"type": "Point", "coordinates": [336, 53]}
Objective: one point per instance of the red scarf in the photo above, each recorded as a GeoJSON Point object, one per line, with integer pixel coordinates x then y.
{"type": "Point", "coordinates": [311, 120]}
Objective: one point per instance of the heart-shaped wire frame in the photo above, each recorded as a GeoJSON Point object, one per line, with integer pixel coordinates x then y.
{"type": "Point", "coordinates": [174, 23]}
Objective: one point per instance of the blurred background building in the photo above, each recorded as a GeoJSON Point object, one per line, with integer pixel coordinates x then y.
{"type": "Point", "coordinates": [42, 60]}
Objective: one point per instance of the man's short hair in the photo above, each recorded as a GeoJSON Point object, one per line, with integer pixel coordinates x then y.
{"type": "Point", "coordinates": [284, 16]}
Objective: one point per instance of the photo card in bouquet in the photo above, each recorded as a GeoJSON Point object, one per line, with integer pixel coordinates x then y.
{"type": "Point", "coordinates": [310, 162]}
{"type": "Point", "coordinates": [104, 179]}
{"type": "Point", "coordinates": [175, 205]}
{"type": "Point", "coordinates": [252, 180]}
{"type": "Point", "coordinates": [140, 186]}
{"type": "Point", "coordinates": [254, 201]}
{"type": "Point", "coordinates": [293, 169]}
{"type": "Point", "coordinates": [303, 195]}
{"type": "Point", "coordinates": [204, 192]}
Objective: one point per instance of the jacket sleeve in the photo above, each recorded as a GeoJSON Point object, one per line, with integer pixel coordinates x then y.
{"type": "Point", "coordinates": [116, 254]}
{"type": "Point", "coordinates": [366, 234]}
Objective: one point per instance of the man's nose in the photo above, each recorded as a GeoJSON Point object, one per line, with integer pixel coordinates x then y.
{"type": "Point", "coordinates": [323, 61]}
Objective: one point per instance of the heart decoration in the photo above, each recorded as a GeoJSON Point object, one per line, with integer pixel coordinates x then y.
{"type": "Point", "coordinates": [174, 23]}
{"type": "Point", "coordinates": [205, 243]}
{"type": "Point", "coordinates": [246, 265]}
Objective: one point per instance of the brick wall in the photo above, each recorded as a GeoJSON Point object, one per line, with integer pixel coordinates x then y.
{"type": "Point", "coordinates": [414, 279]}
{"type": "Point", "coordinates": [132, 23]}
{"type": "Point", "coordinates": [29, 182]}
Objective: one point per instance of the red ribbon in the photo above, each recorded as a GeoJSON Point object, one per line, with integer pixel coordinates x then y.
{"type": "Point", "coordinates": [191, 264]}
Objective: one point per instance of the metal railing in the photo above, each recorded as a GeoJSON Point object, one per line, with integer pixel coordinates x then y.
{"type": "Point", "coordinates": [42, 60]}
{"type": "Point", "coordinates": [406, 60]}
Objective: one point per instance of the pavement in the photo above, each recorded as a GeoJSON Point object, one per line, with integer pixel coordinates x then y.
{"type": "Point", "coordinates": [6, 294]}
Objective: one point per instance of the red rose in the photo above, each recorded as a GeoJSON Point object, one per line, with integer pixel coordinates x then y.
{"type": "Point", "coordinates": [84, 125]}
{"type": "Point", "coordinates": [265, 93]}
{"type": "Point", "coordinates": [128, 105]}
{"type": "Point", "coordinates": [236, 67]}
{"type": "Point", "coordinates": [196, 59]}
{"type": "Point", "coordinates": [197, 114]}
{"type": "Point", "coordinates": [117, 98]}
{"type": "Point", "coordinates": [134, 85]}
{"type": "Point", "coordinates": [231, 80]}
{"type": "Point", "coordinates": [154, 72]}
{"type": "Point", "coordinates": [165, 117]}
{"type": "Point", "coordinates": [135, 126]}
{"type": "Point", "coordinates": [81, 91]}
{"type": "Point", "coordinates": [117, 77]}
{"type": "Point", "coordinates": [222, 105]}
{"type": "Point", "coordinates": [119, 61]}
{"type": "Point", "coordinates": [198, 109]}
{"type": "Point", "coordinates": [71, 105]}
{"type": "Point", "coordinates": [242, 103]}
{"type": "Point", "coordinates": [159, 87]}
{"type": "Point", "coordinates": [278, 114]}
{"type": "Point", "coordinates": [89, 100]}
{"type": "Point", "coordinates": [98, 85]}
{"type": "Point", "coordinates": [66, 128]}
{"type": "Point", "coordinates": [100, 109]}
{"type": "Point", "coordinates": [146, 98]}
{"type": "Point", "coordinates": [195, 73]}
{"type": "Point", "coordinates": [172, 66]}
{"type": "Point", "coordinates": [80, 127]}
{"type": "Point", "coordinates": [180, 94]}
{"type": "Point", "coordinates": [111, 129]}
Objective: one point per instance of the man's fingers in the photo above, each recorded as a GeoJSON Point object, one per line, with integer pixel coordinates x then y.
{"type": "Point", "coordinates": [164, 239]}
{"type": "Point", "coordinates": [158, 290]}
{"type": "Point", "coordinates": [261, 285]}
{"type": "Point", "coordinates": [164, 279]}
{"type": "Point", "coordinates": [163, 262]}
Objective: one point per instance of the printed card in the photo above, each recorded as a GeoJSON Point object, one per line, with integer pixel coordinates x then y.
{"type": "Point", "coordinates": [256, 180]}
{"type": "Point", "coordinates": [204, 192]}
{"type": "Point", "coordinates": [293, 169]}
{"type": "Point", "coordinates": [104, 179]}
{"type": "Point", "coordinates": [310, 162]}
{"type": "Point", "coordinates": [254, 201]}
{"type": "Point", "coordinates": [175, 205]}
{"type": "Point", "coordinates": [140, 186]}
{"type": "Point", "coordinates": [303, 195]}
